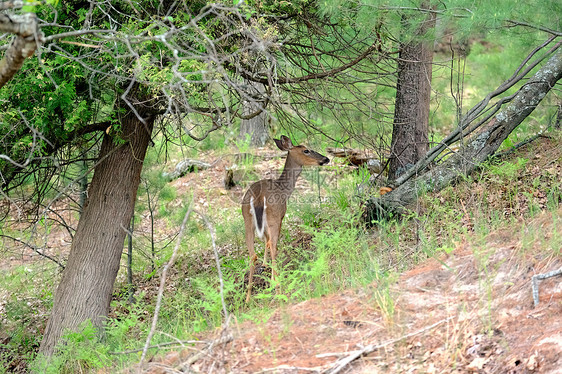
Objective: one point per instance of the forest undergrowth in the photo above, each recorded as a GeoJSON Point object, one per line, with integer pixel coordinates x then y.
{"type": "Point", "coordinates": [326, 250]}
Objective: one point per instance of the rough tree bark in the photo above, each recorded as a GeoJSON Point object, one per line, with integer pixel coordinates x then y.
{"type": "Point", "coordinates": [258, 125]}
{"type": "Point", "coordinates": [478, 147]}
{"type": "Point", "coordinates": [85, 290]}
{"type": "Point", "coordinates": [413, 92]}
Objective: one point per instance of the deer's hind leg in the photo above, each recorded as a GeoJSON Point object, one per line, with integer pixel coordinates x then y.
{"type": "Point", "coordinates": [250, 236]}
{"type": "Point", "coordinates": [273, 238]}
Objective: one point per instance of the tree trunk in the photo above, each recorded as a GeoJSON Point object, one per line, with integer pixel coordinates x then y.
{"type": "Point", "coordinates": [257, 127]}
{"type": "Point", "coordinates": [411, 109]}
{"type": "Point", "coordinates": [85, 290]}
{"type": "Point", "coordinates": [477, 149]}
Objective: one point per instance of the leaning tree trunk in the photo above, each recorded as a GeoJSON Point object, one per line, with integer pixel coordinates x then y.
{"type": "Point", "coordinates": [411, 109]}
{"type": "Point", "coordinates": [85, 290]}
{"type": "Point", "coordinates": [477, 149]}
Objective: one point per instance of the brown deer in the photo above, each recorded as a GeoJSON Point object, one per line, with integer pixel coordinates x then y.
{"type": "Point", "coordinates": [265, 203]}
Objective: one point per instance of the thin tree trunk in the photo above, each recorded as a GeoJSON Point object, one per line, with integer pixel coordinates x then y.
{"type": "Point", "coordinates": [85, 290]}
{"type": "Point", "coordinates": [477, 149]}
{"type": "Point", "coordinates": [257, 127]}
{"type": "Point", "coordinates": [558, 121]}
{"type": "Point", "coordinates": [152, 244]}
{"type": "Point", "coordinates": [411, 110]}
{"type": "Point", "coordinates": [130, 285]}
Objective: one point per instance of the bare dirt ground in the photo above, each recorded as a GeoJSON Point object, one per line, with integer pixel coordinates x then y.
{"type": "Point", "coordinates": [471, 311]}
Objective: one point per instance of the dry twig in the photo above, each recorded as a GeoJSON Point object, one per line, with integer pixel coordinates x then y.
{"type": "Point", "coordinates": [174, 344]}
{"type": "Point", "coordinates": [342, 363]}
{"type": "Point", "coordinates": [535, 283]}
{"type": "Point", "coordinates": [163, 283]}
{"type": "Point", "coordinates": [205, 352]}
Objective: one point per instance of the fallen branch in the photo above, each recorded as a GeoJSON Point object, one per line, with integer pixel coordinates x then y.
{"type": "Point", "coordinates": [287, 368]}
{"type": "Point", "coordinates": [535, 283]}
{"type": "Point", "coordinates": [464, 129]}
{"type": "Point", "coordinates": [342, 363]}
{"type": "Point", "coordinates": [205, 352]}
{"type": "Point", "coordinates": [179, 343]}
{"type": "Point", "coordinates": [519, 145]}
{"type": "Point", "coordinates": [186, 166]}
{"type": "Point", "coordinates": [476, 150]}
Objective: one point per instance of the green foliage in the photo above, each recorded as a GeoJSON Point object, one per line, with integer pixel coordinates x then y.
{"type": "Point", "coordinates": [210, 302]}
{"type": "Point", "coordinates": [277, 6]}
{"type": "Point", "coordinates": [339, 257]}
{"type": "Point", "coordinates": [384, 298]}
{"type": "Point", "coordinates": [22, 313]}
{"type": "Point", "coordinates": [244, 145]}
{"type": "Point", "coordinates": [508, 169]}
{"type": "Point", "coordinates": [80, 352]}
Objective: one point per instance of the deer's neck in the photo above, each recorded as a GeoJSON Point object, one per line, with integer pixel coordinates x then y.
{"type": "Point", "coordinates": [289, 176]}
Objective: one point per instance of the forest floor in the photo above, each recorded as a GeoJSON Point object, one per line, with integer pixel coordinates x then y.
{"type": "Point", "coordinates": [470, 310]}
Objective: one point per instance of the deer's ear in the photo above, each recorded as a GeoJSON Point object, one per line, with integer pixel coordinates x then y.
{"type": "Point", "coordinates": [284, 143]}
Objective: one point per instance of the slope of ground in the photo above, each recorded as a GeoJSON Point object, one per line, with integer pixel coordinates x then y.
{"type": "Point", "coordinates": [467, 311]}
{"type": "Point", "coordinates": [470, 311]}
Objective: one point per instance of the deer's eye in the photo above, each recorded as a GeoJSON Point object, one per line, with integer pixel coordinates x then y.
{"type": "Point", "coordinates": [306, 151]}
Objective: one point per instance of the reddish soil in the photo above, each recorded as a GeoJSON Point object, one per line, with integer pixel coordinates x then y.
{"type": "Point", "coordinates": [470, 311]}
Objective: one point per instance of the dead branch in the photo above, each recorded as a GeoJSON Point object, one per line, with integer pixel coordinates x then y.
{"type": "Point", "coordinates": [357, 158]}
{"type": "Point", "coordinates": [35, 249]}
{"type": "Point", "coordinates": [478, 148]}
{"type": "Point", "coordinates": [463, 129]}
{"type": "Point", "coordinates": [185, 166]}
{"type": "Point", "coordinates": [342, 363]}
{"type": "Point", "coordinates": [28, 38]}
{"type": "Point", "coordinates": [206, 352]}
{"type": "Point", "coordinates": [297, 369]}
{"type": "Point", "coordinates": [15, 4]}
{"type": "Point", "coordinates": [535, 283]}
{"type": "Point", "coordinates": [174, 344]}
{"type": "Point", "coordinates": [163, 283]}
{"type": "Point", "coordinates": [315, 76]}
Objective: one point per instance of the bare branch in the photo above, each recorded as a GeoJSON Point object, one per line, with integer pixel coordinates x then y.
{"type": "Point", "coordinates": [28, 37]}
{"type": "Point", "coordinates": [474, 113]}
{"type": "Point", "coordinates": [14, 4]}
{"type": "Point", "coordinates": [514, 23]}
{"type": "Point", "coordinates": [535, 283]}
{"type": "Point", "coordinates": [71, 34]}
{"type": "Point", "coordinates": [174, 344]}
{"type": "Point", "coordinates": [163, 283]}
{"type": "Point", "coordinates": [342, 363]}
{"type": "Point", "coordinates": [35, 249]}
{"type": "Point", "coordinates": [314, 76]}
